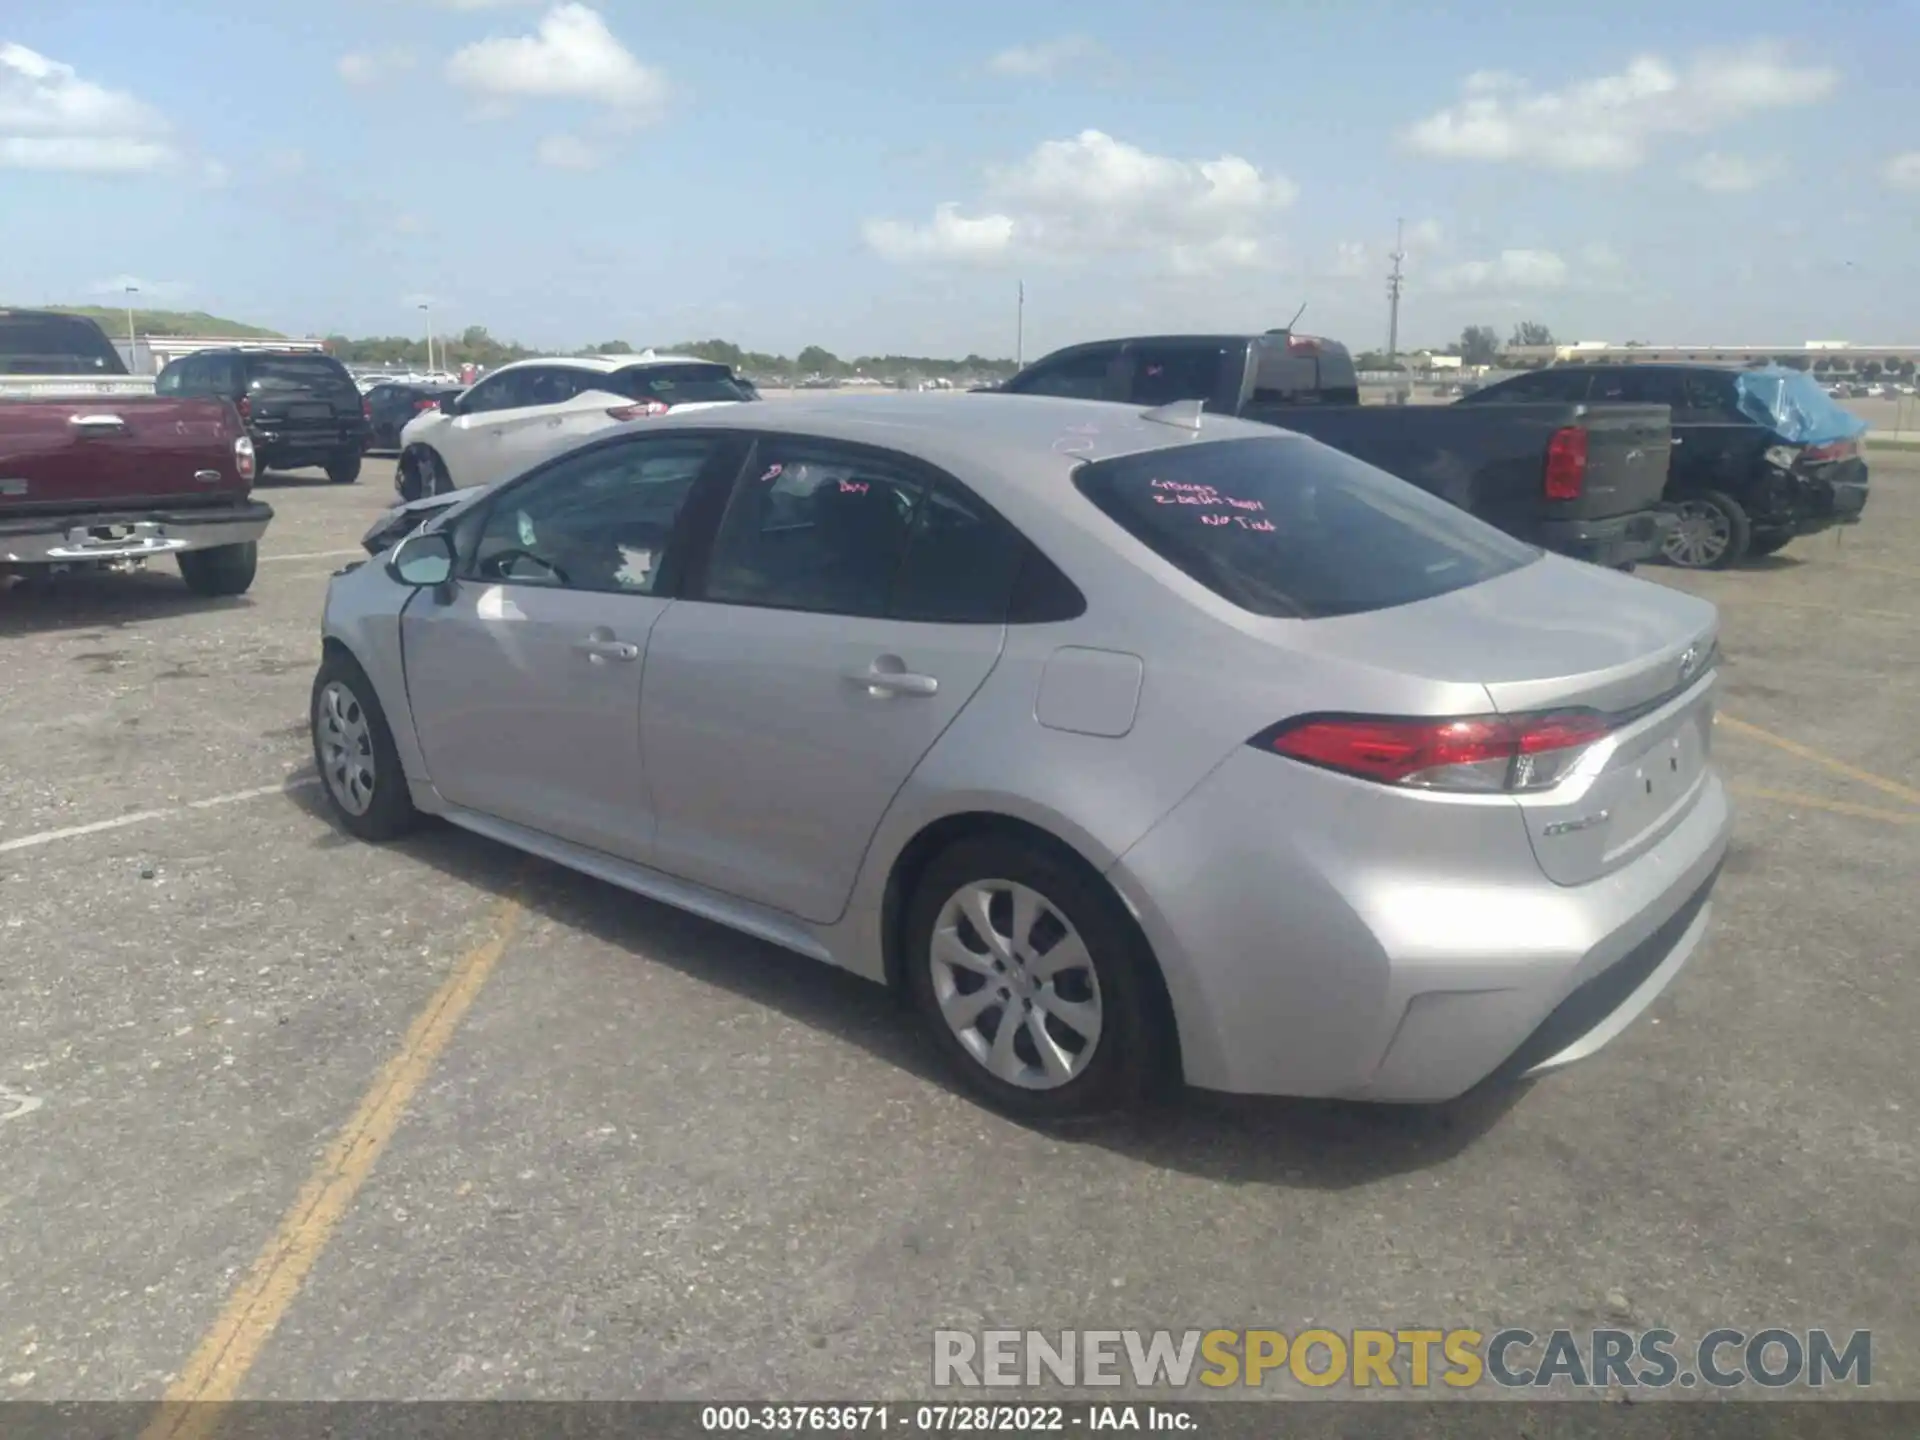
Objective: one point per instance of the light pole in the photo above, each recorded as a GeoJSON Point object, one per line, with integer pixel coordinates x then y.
{"type": "Point", "coordinates": [132, 359]}
{"type": "Point", "coordinates": [1020, 324]}
{"type": "Point", "coordinates": [427, 310]}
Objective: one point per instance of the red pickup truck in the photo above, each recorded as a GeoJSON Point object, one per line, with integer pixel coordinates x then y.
{"type": "Point", "coordinates": [97, 471]}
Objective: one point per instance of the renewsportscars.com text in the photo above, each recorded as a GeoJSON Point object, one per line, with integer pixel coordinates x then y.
{"type": "Point", "coordinates": [1418, 1359]}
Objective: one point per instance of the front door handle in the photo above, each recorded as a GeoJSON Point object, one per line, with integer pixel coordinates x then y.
{"type": "Point", "coordinates": [600, 647]}
{"type": "Point", "coordinates": [895, 682]}
{"type": "Point", "coordinates": [85, 423]}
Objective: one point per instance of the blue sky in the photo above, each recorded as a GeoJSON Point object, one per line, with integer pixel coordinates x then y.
{"type": "Point", "coordinates": [877, 177]}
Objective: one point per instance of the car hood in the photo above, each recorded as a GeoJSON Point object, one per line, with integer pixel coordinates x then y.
{"type": "Point", "coordinates": [402, 520]}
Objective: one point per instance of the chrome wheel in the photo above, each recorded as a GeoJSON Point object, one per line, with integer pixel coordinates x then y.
{"type": "Point", "coordinates": [1015, 983]}
{"type": "Point", "coordinates": [1701, 538]}
{"type": "Point", "coordinates": [345, 734]}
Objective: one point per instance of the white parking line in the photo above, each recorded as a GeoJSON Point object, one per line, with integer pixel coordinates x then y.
{"type": "Point", "coordinates": [141, 817]}
{"type": "Point", "coordinates": [312, 555]}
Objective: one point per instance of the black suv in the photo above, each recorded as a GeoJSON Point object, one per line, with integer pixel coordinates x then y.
{"type": "Point", "coordinates": [300, 407]}
{"type": "Point", "coordinates": [1741, 490]}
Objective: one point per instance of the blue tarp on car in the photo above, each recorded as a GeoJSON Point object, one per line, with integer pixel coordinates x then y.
{"type": "Point", "coordinates": [1791, 404]}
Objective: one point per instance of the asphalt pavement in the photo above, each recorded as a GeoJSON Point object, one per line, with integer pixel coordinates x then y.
{"type": "Point", "coordinates": [287, 1116]}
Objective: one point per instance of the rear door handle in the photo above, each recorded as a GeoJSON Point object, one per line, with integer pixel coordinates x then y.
{"type": "Point", "coordinates": [599, 650]}
{"type": "Point", "coordinates": [895, 682]}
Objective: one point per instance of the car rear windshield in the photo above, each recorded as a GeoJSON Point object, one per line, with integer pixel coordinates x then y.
{"type": "Point", "coordinates": [680, 384]}
{"type": "Point", "coordinates": [55, 345]}
{"type": "Point", "coordinates": [297, 372]}
{"type": "Point", "coordinates": [1288, 527]}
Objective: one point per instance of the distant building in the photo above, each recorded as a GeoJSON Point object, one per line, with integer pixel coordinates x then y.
{"type": "Point", "coordinates": [1838, 354]}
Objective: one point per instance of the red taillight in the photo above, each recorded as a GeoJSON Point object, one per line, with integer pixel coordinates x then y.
{"type": "Point", "coordinates": [1566, 477]}
{"type": "Point", "coordinates": [366, 409]}
{"type": "Point", "coordinates": [1486, 753]}
{"type": "Point", "coordinates": [246, 408]}
{"type": "Point", "coordinates": [640, 411]}
{"type": "Point", "coordinates": [1838, 450]}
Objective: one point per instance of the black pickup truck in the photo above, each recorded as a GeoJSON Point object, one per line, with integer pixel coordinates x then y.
{"type": "Point", "coordinates": [1580, 482]}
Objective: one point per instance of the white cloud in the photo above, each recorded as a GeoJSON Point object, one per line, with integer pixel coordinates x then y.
{"type": "Point", "coordinates": [572, 56]}
{"type": "Point", "coordinates": [1729, 174]}
{"type": "Point", "coordinates": [1424, 235]}
{"type": "Point", "coordinates": [1050, 57]}
{"type": "Point", "coordinates": [1509, 270]}
{"type": "Point", "coordinates": [366, 67]}
{"type": "Point", "coordinates": [567, 152]}
{"type": "Point", "coordinates": [1610, 122]}
{"type": "Point", "coordinates": [1095, 195]}
{"type": "Point", "coordinates": [1351, 260]}
{"type": "Point", "coordinates": [51, 119]}
{"type": "Point", "coordinates": [1902, 172]}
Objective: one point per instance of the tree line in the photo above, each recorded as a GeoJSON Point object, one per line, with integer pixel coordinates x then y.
{"type": "Point", "coordinates": [476, 346]}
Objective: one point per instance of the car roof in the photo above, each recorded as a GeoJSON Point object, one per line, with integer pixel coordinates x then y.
{"type": "Point", "coordinates": [1014, 448]}
{"type": "Point", "coordinates": [604, 364]}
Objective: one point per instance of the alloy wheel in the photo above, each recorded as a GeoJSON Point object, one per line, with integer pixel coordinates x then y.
{"type": "Point", "coordinates": [1016, 985]}
{"type": "Point", "coordinates": [1702, 536]}
{"type": "Point", "coordinates": [346, 748]}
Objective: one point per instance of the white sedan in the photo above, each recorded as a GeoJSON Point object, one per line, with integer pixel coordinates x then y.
{"type": "Point", "coordinates": [526, 411]}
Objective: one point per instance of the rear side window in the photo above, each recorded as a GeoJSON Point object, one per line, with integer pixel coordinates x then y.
{"type": "Point", "coordinates": [1159, 374]}
{"type": "Point", "coordinates": [1540, 387]}
{"type": "Point", "coordinates": [680, 384]}
{"type": "Point", "coordinates": [1083, 375]}
{"type": "Point", "coordinates": [1636, 387]}
{"type": "Point", "coordinates": [297, 372]}
{"type": "Point", "coordinates": [1291, 528]}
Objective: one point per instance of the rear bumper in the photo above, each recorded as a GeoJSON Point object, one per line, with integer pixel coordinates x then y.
{"type": "Point", "coordinates": [1407, 963]}
{"type": "Point", "coordinates": [1615, 541]}
{"type": "Point", "coordinates": [1828, 504]}
{"type": "Point", "coordinates": [276, 447]}
{"type": "Point", "coordinates": [136, 535]}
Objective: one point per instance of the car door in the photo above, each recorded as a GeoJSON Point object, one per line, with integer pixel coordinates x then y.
{"type": "Point", "coordinates": [557, 404]}
{"type": "Point", "coordinates": [810, 667]}
{"type": "Point", "coordinates": [468, 442]}
{"type": "Point", "coordinates": [524, 675]}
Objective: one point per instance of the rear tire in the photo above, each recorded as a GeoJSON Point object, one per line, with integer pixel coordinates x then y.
{"type": "Point", "coordinates": [422, 474]}
{"type": "Point", "coordinates": [353, 747]}
{"type": "Point", "coordinates": [968, 986]}
{"type": "Point", "coordinates": [344, 469]}
{"type": "Point", "coordinates": [223, 570]}
{"type": "Point", "coordinates": [1714, 532]}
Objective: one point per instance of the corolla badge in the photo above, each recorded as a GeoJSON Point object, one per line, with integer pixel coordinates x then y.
{"type": "Point", "coordinates": [1689, 663]}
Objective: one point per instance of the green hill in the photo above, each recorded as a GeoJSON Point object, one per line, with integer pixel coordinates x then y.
{"type": "Point", "coordinates": [165, 322]}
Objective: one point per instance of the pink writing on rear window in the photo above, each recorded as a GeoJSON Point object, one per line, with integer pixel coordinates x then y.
{"type": "Point", "coordinates": [853, 487]}
{"type": "Point", "coordinates": [1202, 497]}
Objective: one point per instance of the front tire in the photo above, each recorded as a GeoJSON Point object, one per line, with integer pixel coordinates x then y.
{"type": "Point", "coordinates": [222, 570]}
{"type": "Point", "coordinates": [1714, 532]}
{"type": "Point", "coordinates": [353, 747]}
{"type": "Point", "coordinates": [1033, 983]}
{"type": "Point", "coordinates": [344, 469]}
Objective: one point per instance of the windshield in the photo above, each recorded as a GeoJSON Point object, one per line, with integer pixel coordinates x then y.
{"type": "Point", "coordinates": [297, 372]}
{"type": "Point", "coordinates": [55, 345]}
{"type": "Point", "coordinates": [679, 384]}
{"type": "Point", "coordinates": [1288, 527]}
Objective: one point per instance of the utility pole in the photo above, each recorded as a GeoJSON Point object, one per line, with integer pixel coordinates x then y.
{"type": "Point", "coordinates": [1020, 324]}
{"type": "Point", "coordinates": [133, 360]}
{"type": "Point", "coordinates": [1393, 290]}
{"type": "Point", "coordinates": [427, 310]}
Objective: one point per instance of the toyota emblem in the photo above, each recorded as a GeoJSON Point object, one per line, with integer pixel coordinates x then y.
{"type": "Point", "coordinates": [1689, 662]}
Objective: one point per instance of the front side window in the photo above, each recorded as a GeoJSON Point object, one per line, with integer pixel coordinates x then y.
{"type": "Point", "coordinates": [1083, 375]}
{"type": "Point", "coordinates": [602, 520]}
{"type": "Point", "coordinates": [1290, 528]}
{"type": "Point", "coordinates": [498, 392]}
{"type": "Point", "coordinates": [814, 526]}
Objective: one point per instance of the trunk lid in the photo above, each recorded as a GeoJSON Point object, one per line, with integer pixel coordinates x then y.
{"type": "Point", "coordinates": [1556, 635]}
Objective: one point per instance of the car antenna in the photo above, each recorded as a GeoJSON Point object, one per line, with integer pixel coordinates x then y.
{"type": "Point", "coordinates": [1183, 413]}
{"type": "Point", "coordinates": [1287, 329]}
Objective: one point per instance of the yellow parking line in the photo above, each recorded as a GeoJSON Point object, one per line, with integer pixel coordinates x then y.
{"type": "Point", "coordinates": [1812, 756]}
{"type": "Point", "coordinates": [261, 1300]}
{"type": "Point", "coordinates": [1836, 807]}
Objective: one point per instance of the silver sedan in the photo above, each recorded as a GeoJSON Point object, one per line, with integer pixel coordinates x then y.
{"type": "Point", "coordinates": [1134, 747]}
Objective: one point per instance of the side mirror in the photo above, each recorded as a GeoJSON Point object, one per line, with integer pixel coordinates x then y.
{"type": "Point", "coordinates": [422, 559]}
{"type": "Point", "coordinates": [450, 404]}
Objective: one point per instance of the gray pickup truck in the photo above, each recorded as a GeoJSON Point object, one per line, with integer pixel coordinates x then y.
{"type": "Point", "coordinates": [1581, 481]}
